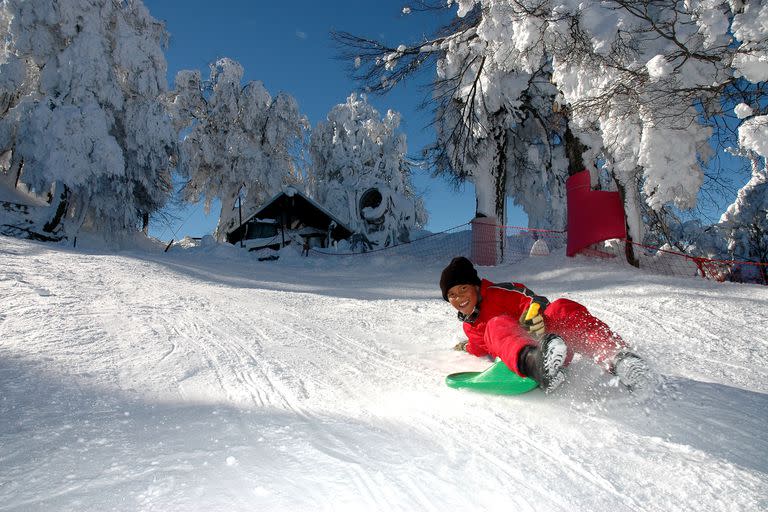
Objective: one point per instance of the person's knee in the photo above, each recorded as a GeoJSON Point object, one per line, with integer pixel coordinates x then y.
{"type": "Point", "coordinates": [562, 308]}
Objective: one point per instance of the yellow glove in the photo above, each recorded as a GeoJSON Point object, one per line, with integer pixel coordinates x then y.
{"type": "Point", "coordinates": [533, 322]}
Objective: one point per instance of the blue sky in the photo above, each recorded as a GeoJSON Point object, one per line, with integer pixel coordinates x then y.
{"type": "Point", "coordinates": [287, 46]}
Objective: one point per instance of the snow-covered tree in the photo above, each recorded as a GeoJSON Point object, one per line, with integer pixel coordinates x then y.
{"type": "Point", "coordinates": [238, 141]}
{"type": "Point", "coordinates": [80, 108]}
{"type": "Point", "coordinates": [497, 130]}
{"type": "Point", "coordinates": [642, 84]}
{"type": "Point", "coordinates": [742, 232]}
{"type": "Point", "coordinates": [360, 172]}
{"type": "Point", "coordinates": [649, 75]}
{"type": "Point", "coordinates": [495, 127]}
{"type": "Point", "coordinates": [745, 222]}
{"type": "Point", "coordinates": [669, 230]}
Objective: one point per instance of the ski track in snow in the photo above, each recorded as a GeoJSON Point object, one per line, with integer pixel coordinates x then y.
{"type": "Point", "coordinates": [151, 381]}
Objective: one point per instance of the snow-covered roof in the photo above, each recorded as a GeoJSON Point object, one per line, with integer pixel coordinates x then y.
{"type": "Point", "coordinates": [292, 192]}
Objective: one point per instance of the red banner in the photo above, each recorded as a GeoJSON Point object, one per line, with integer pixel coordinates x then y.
{"type": "Point", "coordinates": [593, 215]}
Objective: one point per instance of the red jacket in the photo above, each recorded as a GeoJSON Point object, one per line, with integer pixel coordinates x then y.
{"type": "Point", "coordinates": [494, 327]}
{"type": "Point", "coordinates": [504, 299]}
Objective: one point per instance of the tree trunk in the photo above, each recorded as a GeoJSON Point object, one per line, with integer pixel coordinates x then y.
{"type": "Point", "coordinates": [574, 151]}
{"type": "Point", "coordinates": [499, 174]}
{"type": "Point", "coordinates": [145, 223]}
{"type": "Point", "coordinates": [225, 218]}
{"type": "Point", "coordinates": [82, 211]}
{"type": "Point", "coordinates": [18, 173]}
{"type": "Point", "coordinates": [629, 248]}
{"type": "Point", "coordinates": [55, 222]}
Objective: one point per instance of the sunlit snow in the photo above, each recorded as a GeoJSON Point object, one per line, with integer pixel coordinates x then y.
{"type": "Point", "coordinates": [200, 379]}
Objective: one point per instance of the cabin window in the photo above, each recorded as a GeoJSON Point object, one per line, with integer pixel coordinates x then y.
{"type": "Point", "coordinates": [261, 230]}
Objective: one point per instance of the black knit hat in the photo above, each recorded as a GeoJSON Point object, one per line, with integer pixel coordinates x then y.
{"type": "Point", "coordinates": [458, 271]}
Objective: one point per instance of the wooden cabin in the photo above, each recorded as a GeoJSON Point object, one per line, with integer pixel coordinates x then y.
{"type": "Point", "coordinates": [289, 217]}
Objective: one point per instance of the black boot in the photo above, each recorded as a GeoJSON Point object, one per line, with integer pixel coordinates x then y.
{"type": "Point", "coordinates": [632, 371]}
{"type": "Point", "coordinates": [544, 363]}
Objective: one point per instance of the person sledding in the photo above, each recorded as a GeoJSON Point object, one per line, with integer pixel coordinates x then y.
{"type": "Point", "coordinates": [494, 320]}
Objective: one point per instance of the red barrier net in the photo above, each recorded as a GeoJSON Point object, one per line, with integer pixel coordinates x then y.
{"type": "Point", "coordinates": [668, 262]}
{"type": "Point", "coordinates": [678, 263]}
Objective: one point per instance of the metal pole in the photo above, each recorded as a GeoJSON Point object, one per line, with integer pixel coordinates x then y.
{"type": "Point", "coordinates": [283, 222]}
{"type": "Point", "coordinates": [240, 214]}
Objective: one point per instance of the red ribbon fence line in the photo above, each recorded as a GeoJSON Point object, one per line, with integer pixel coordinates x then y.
{"type": "Point", "coordinates": [519, 241]}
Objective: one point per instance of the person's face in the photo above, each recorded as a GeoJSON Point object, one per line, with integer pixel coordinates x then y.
{"type": "Point", "coordinates": [464, 297]}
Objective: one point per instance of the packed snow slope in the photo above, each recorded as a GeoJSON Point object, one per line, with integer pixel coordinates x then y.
{"type": "Point", "coordinates": [202, 380]}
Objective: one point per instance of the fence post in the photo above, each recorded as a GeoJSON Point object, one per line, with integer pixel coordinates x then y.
{"type": "Point", "coordinates": [484, 241]}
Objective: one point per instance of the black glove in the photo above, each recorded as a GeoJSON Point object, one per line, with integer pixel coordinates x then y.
{"type": "Point", "coordinates": [461, 346]}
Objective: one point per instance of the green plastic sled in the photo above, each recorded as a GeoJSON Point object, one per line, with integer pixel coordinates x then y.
{"type": "Point", "coordinates": [497, 380]}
